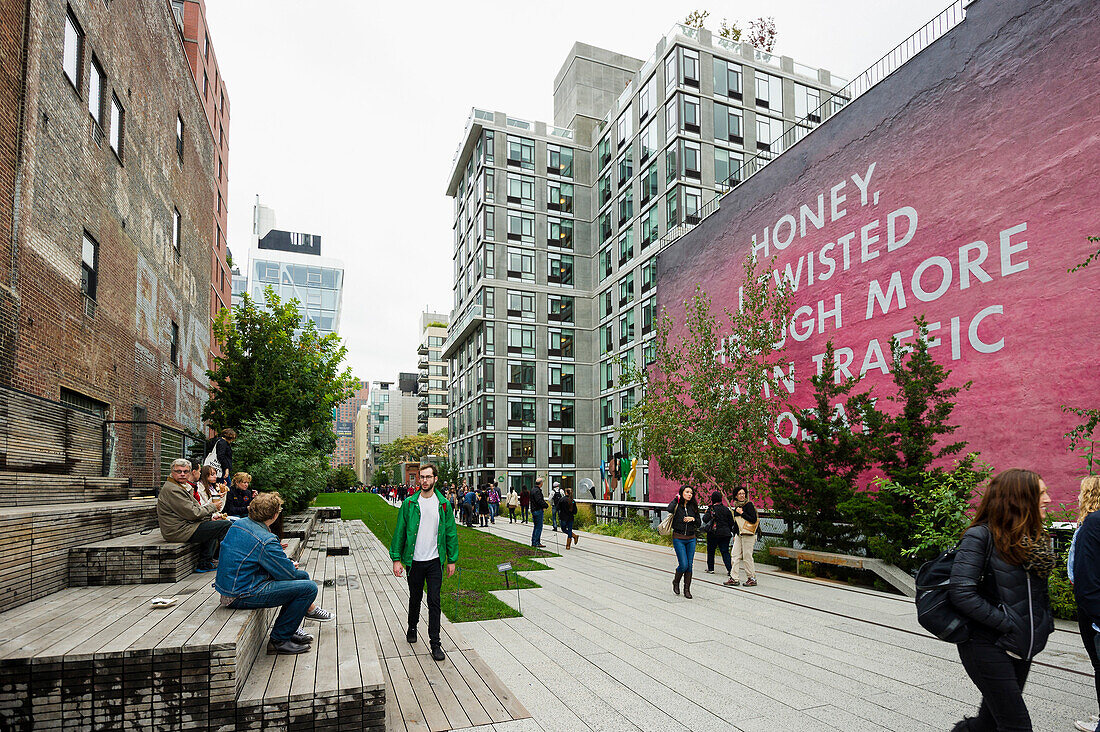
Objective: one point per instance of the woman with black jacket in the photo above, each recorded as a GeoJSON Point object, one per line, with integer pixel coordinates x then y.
{"type": "Point", "coordinates": [718, 521]}
{"type": "Point", "coordinates": [999, 581]}
{"type": "Point", "coordinates": [222, 448]}
{"type": "Point", "coordinates": [685, 522]}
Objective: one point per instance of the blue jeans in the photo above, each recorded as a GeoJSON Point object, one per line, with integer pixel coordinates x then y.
{"type": "Point", "coordinates": [494, 509]}
{"type": "Point", "coordinates": [536, 535]}
{"type": "Point", "coordinates": [293, 596]}
{"type": "Point", "coordinates": [685, 553]}
{"type": "Point", "coordinates": [554, 517]}
{"type": "Point", "coordinates": [567, 528]}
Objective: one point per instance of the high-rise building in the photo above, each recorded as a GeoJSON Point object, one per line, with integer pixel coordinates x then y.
{"type": "Point", "coordinates": [343, 424]}
{"type": "Point", "coordinates": [190, 16]}
{"type": "Point", "coordinates": [392, 415]}
{"type": "Point", "coordinates": [556, 233]}
{"type": "Point", "coordinates": [106, 217]}
{"type": "Point", "coordinates": [291, 263]}
{"type": "Point", "coordinates": [433, 367]}
{"type": "Point", "coordinates": [361, 434]}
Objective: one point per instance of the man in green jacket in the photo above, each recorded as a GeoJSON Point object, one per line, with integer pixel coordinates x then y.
{"type": "Point", "coordinates": [425, 538]}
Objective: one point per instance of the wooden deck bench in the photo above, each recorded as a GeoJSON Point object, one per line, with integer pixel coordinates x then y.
{"type": "Point", "coordinates": [35, 541]}
{"type": "Point", "coordinates": [896, 577]}
{"type": "Point", "coordinates": [31, 489]}
{"type": "Point", "coordinates": [327, 512]}
{"type": "Point", "coordinates": [140, 558]}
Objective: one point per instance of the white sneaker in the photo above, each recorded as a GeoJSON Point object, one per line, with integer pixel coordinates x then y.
{"type": "Point", "coordinates": [1086, 726]}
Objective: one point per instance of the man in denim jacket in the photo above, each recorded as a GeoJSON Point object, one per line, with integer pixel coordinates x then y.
{"type": "Point", "coordinates": [255, 572]}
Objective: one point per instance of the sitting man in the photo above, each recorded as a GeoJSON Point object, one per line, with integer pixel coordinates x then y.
{"type": "Point", "coordinates": [255, 572]}
{"type": "Point", "coordinates": [183, 517]}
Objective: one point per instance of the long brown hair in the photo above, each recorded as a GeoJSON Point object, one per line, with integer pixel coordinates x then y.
{"type": "Point", "coordinates": [1010, 509]}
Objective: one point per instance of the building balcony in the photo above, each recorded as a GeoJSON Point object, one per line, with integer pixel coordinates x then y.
{"type": "Point", "coordinates": [422, 364]}
{"type": "Point", "coordinates": [423, 350]}
{"type": "Point", "coordinates": [423, 377]}
{"type": "Point", "coordinates": [461, 331]}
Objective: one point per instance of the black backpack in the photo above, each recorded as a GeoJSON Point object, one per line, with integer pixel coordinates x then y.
{"type": "Point", "coordinates": [935, 613]}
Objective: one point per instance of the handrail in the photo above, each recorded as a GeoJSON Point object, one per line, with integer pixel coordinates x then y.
{"type": "Point", "coordinates": [930, 32]}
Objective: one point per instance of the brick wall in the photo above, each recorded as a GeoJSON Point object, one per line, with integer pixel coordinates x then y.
{"type": "Point", "coordinates": [11, 63]}
{"type": "Point", "coordinates": [116, 349]}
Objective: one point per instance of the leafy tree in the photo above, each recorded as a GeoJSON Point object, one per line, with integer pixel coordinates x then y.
{"type": "Point", "coordinates": [696, 18]}
{"type": "Point", "coordinates": [729, 30]}
{"type": "Point", "coordinates": [710, 402]}
{"type": "Point", "coordinates": [414, 448]}
{"type": "Point", "coordinates": [815, 476]}
{"type": "Point", "coordinates": [274, 362]}
{"type": "Point", "coordinates": [340, 479]}
{"type": "Point", "coordinates": [1082, 438]}
{"type": "Point", "coordinates": [379, 478]}
{"type": "Point", "coordinates": [290, 466]}
{"type": "Point", "coordinates": [762, 33]}
{"type": "Point", "coordinates": [907, 447]}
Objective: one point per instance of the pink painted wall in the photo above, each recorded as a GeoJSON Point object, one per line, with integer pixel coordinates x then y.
{"type": "Point", "coordinates": [984, 153]}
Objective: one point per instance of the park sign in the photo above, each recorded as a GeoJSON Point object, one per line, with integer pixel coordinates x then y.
{"type": "Point", "coordinates": [962, 188]}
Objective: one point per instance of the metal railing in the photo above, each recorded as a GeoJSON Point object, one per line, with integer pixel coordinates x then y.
{"type": "Point", "coordinates": [143, 450]}
{"type": "Point", "coordinates": [930, 32]}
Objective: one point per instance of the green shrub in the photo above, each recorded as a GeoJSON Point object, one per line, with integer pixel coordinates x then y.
{"type": "Point", "coordinates": [1062, 601]}
{"type": "Point", "coordinates": [293, 467]}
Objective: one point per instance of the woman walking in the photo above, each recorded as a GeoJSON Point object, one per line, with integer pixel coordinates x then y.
{"type": "Point", "coordinates": [685, 521]}
{"type": "Point", "coordinates": [483, 506]}
{"type": "Point", "coordinates": [719, 522]}
{"type": "Point", "coordinates": [1084, 573]}
{"type": "Point", "coordinates": [999, 582]}
{"type": "Point", "coordinates": [745, 541]}
{"type": "Point", "coordinates": [513, 504]}
{"type": "Point", "coordinates": [524, 502]}
{"type": "Point", "coordinates": [567, 512]}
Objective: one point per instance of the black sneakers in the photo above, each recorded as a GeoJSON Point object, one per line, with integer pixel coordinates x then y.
{"type": "Point", "coordinates": [286, 648]}
{"type": "Point", "coordinates": [410, 636]}
{"type": "Point", "coordinates": [302, 637]}
{"type": "Point", "coordinates": [438, 654]}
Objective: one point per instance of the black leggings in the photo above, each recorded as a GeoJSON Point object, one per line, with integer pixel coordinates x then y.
{"type": "Point", "coordinates": [1000, 678]}
{"type": "Point", "coordinates": [722, 545]}
{"type": "Point", "coordinates": [1091, 638]}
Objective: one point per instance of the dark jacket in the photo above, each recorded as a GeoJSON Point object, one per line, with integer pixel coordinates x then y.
{"type": "Point", "coordinates": [567, 508]}
{"type": "Point", "coordinates": [1008, 603]}
{"type": "Point", "coordinates": [1086, 567]}
{"type": "Point", "coordinates": [538, 503]}
{"type": "Point", "coordinates": [525, 498]}
{"type": "Point", "coordinates": [719, 521]}
{"type": "Point", "coordinates": [224, 452]}
{"type": "Point", "coordinates": [679, 512]}
{"type": "Point", "coordinates": [237, 500]}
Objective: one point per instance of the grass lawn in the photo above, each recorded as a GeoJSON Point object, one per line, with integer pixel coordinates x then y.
{"type": "Point", "coordinates": [465, 596]}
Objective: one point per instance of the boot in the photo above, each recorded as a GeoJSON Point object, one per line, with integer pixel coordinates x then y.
{"type": "Point", "coordinates": [676, 582]}
{"type": "Point", "coordinates": [687, 585]}
{"type": "Point", "coordinates": [568, 541]}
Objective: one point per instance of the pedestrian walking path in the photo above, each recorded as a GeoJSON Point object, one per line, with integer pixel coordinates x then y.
{"type": "Point", "coordinates": [605, 645]}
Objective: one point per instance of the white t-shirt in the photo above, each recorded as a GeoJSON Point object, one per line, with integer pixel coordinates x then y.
{"type": "Point", "coordinates": [427, 536]}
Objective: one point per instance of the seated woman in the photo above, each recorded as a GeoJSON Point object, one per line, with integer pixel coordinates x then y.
{"type": "Point", "coordinates": [239, 496]}
{"type": "Point", "coordinates": [255, 572]}
{"type": "Point", "coordinates": [207, 488]}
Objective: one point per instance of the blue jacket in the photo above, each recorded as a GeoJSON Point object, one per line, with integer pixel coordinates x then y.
{"type": "Point", "coordinates": [250, 556]}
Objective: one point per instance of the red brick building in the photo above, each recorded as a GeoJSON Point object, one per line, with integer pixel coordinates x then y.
{"type": "Point", "coordinates": [191, 21]}
{"type": "Point", "coordinates": [107, 209]}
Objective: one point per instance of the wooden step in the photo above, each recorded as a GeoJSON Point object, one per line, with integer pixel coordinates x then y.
{"type": "Point", "coordinates": [30, 489]}
{"type": "Point", "coordinates": [141, 558]}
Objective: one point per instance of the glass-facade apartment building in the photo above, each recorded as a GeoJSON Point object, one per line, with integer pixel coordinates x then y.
{"type": "Point", "coordinates": [556, 234]}
{"type": "Point", "coordinates": [432, 373]}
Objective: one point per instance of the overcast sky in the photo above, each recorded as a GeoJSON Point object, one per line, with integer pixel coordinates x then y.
{"type": "Point", "coordinates": [345, 117]}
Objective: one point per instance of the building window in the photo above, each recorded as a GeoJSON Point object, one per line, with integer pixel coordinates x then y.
{"type": "Point", "coordinates": [521, 375]}
{"type": "Point", "coordinates": [649, 315]}
{"type": "Point", "coordinates": [624, 129]}
{"type": "Point", "coordinates": [559, 233]}
{"type": "Point", "coordinates": [606, 263]}
{"type": "Point", "coordinates": [559, 161]}
{"type": "Point", "coordinates": [607, 375]}
{"type": "Point", "coordinates": [206, 47]}
{"type": "Point", "coordinates": [672, 210]}
{"type": "Point", "coordinates": [607, 339]}
{"type": "Point", "coordinates": [521, 264]}
{"type": "Point", "coordinates": [521, 450]}
{"type": "Point", "coordinates": [96, 84]}
{"type": "Point", "coordinates": [672, 78]}
{"type": "Point", "coordinates": [651, 185]}
{"type": "Point", "coordinates": [626, 246]}
{"type": "Point", "coordinates": [559, 269]}
{"type": "Point", "coordinates": [727, 168]}
{"type": "Point", "coordinates": [563, 449]}
{"type": "Point", "coordinates": [692, 201]}
{"type": "Point", "coordinates": [561, 343]}
{"type": "Point", "coordinates": [769, 92]}
{"type": "Point", "coordinates": [649, 274]}
{"type": "Point", "coordinates": [626, 168]}
{"type": "Point", "coordinates": [521, 189]}
{"type": "Point", "coordinates": [626, 328]}
{"type": "Point", "coordinates": [607, 303]}
{"type": "Point", "coordinates": [689, 114]}
{"type": "Point", "coordinates": [561, 414]}
{"type": "Point", "coordinates": [521, 227]}
{"type": "Point", "coordinates": [727, 124]}
{"type": "Point", "coordinates": [205, 86]}
{"type": "Point", "coordinates": [175, 345]}
{"type": "Point", "coordinates": [690, 67]}
{"type": "Point", "coordinates": [521, 305]}
{"type": "Point", "coordinates": [559, 197]}
{"type": "Point", "coordinates": [177, 231]}
{"type": "Point", "coordinates": [769, 134]}
{"type": "Point", "coordinates": [521, 340]}
{"type": "Point", "coordinates": [89, 266]}
{"type": "Point", "coordinates": [672, 168]}
{"type": "Point", "coordinates": [647, 99]}
{"type": "Point", "coordinates": [118, 117]}
{"type": "Point", "coordinates": [521, 153]}
{"type": "Point", "coordinates": [806, 103]}
{"type": "Point", "coordinates": [521, 413]}
{"type": "Point", "coordinates": [73, 57]}
{"type": "Point", "coordinates": [727, 79]}
{"type": "Point", "coordinates": [649, 227]}
{"type": "Point", "coordinates": [607, 416]}
{"type": "Point", "coordinates": [647, 142]}
{"type": "Point", "coordinates": [605, 226]}
{"type": "Point", "coordinates": [626, 289]}
{"type": "Point", "coordinates": [626, 206]}
{"type": "Point", "coordinates": [604, 189]}
{"type": "Point", "coordinates": [672, 118]}
{"type": "Point", "coordinates": [559, 308]}
{"type": "Point", "coordinates": [560, 378]}
{"type": "Point", "coordinates": [690, 154]}
{"type": "Point", "coordinates": [603, 152]}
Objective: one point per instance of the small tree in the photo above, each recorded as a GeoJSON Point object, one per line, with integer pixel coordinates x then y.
{"type": "Point", "coordinates": [729, 30]}
{"type": "Point", "coordinates": [696, 18]}
{"type": "Point", "coordinates": [709, 404]}
{"type": "Point", "coordinates": [274, 362]}
{"type": "Point", "coordinates": [290, 466]}
{"type": "Point", "coordinates": [340, 479]}
{"type": "Point", "coordinates": [814, 477]}
{"type": "Point", "coordinates": [1082, 438]}
{"type": "Point", "coordinates": [762, 33]}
